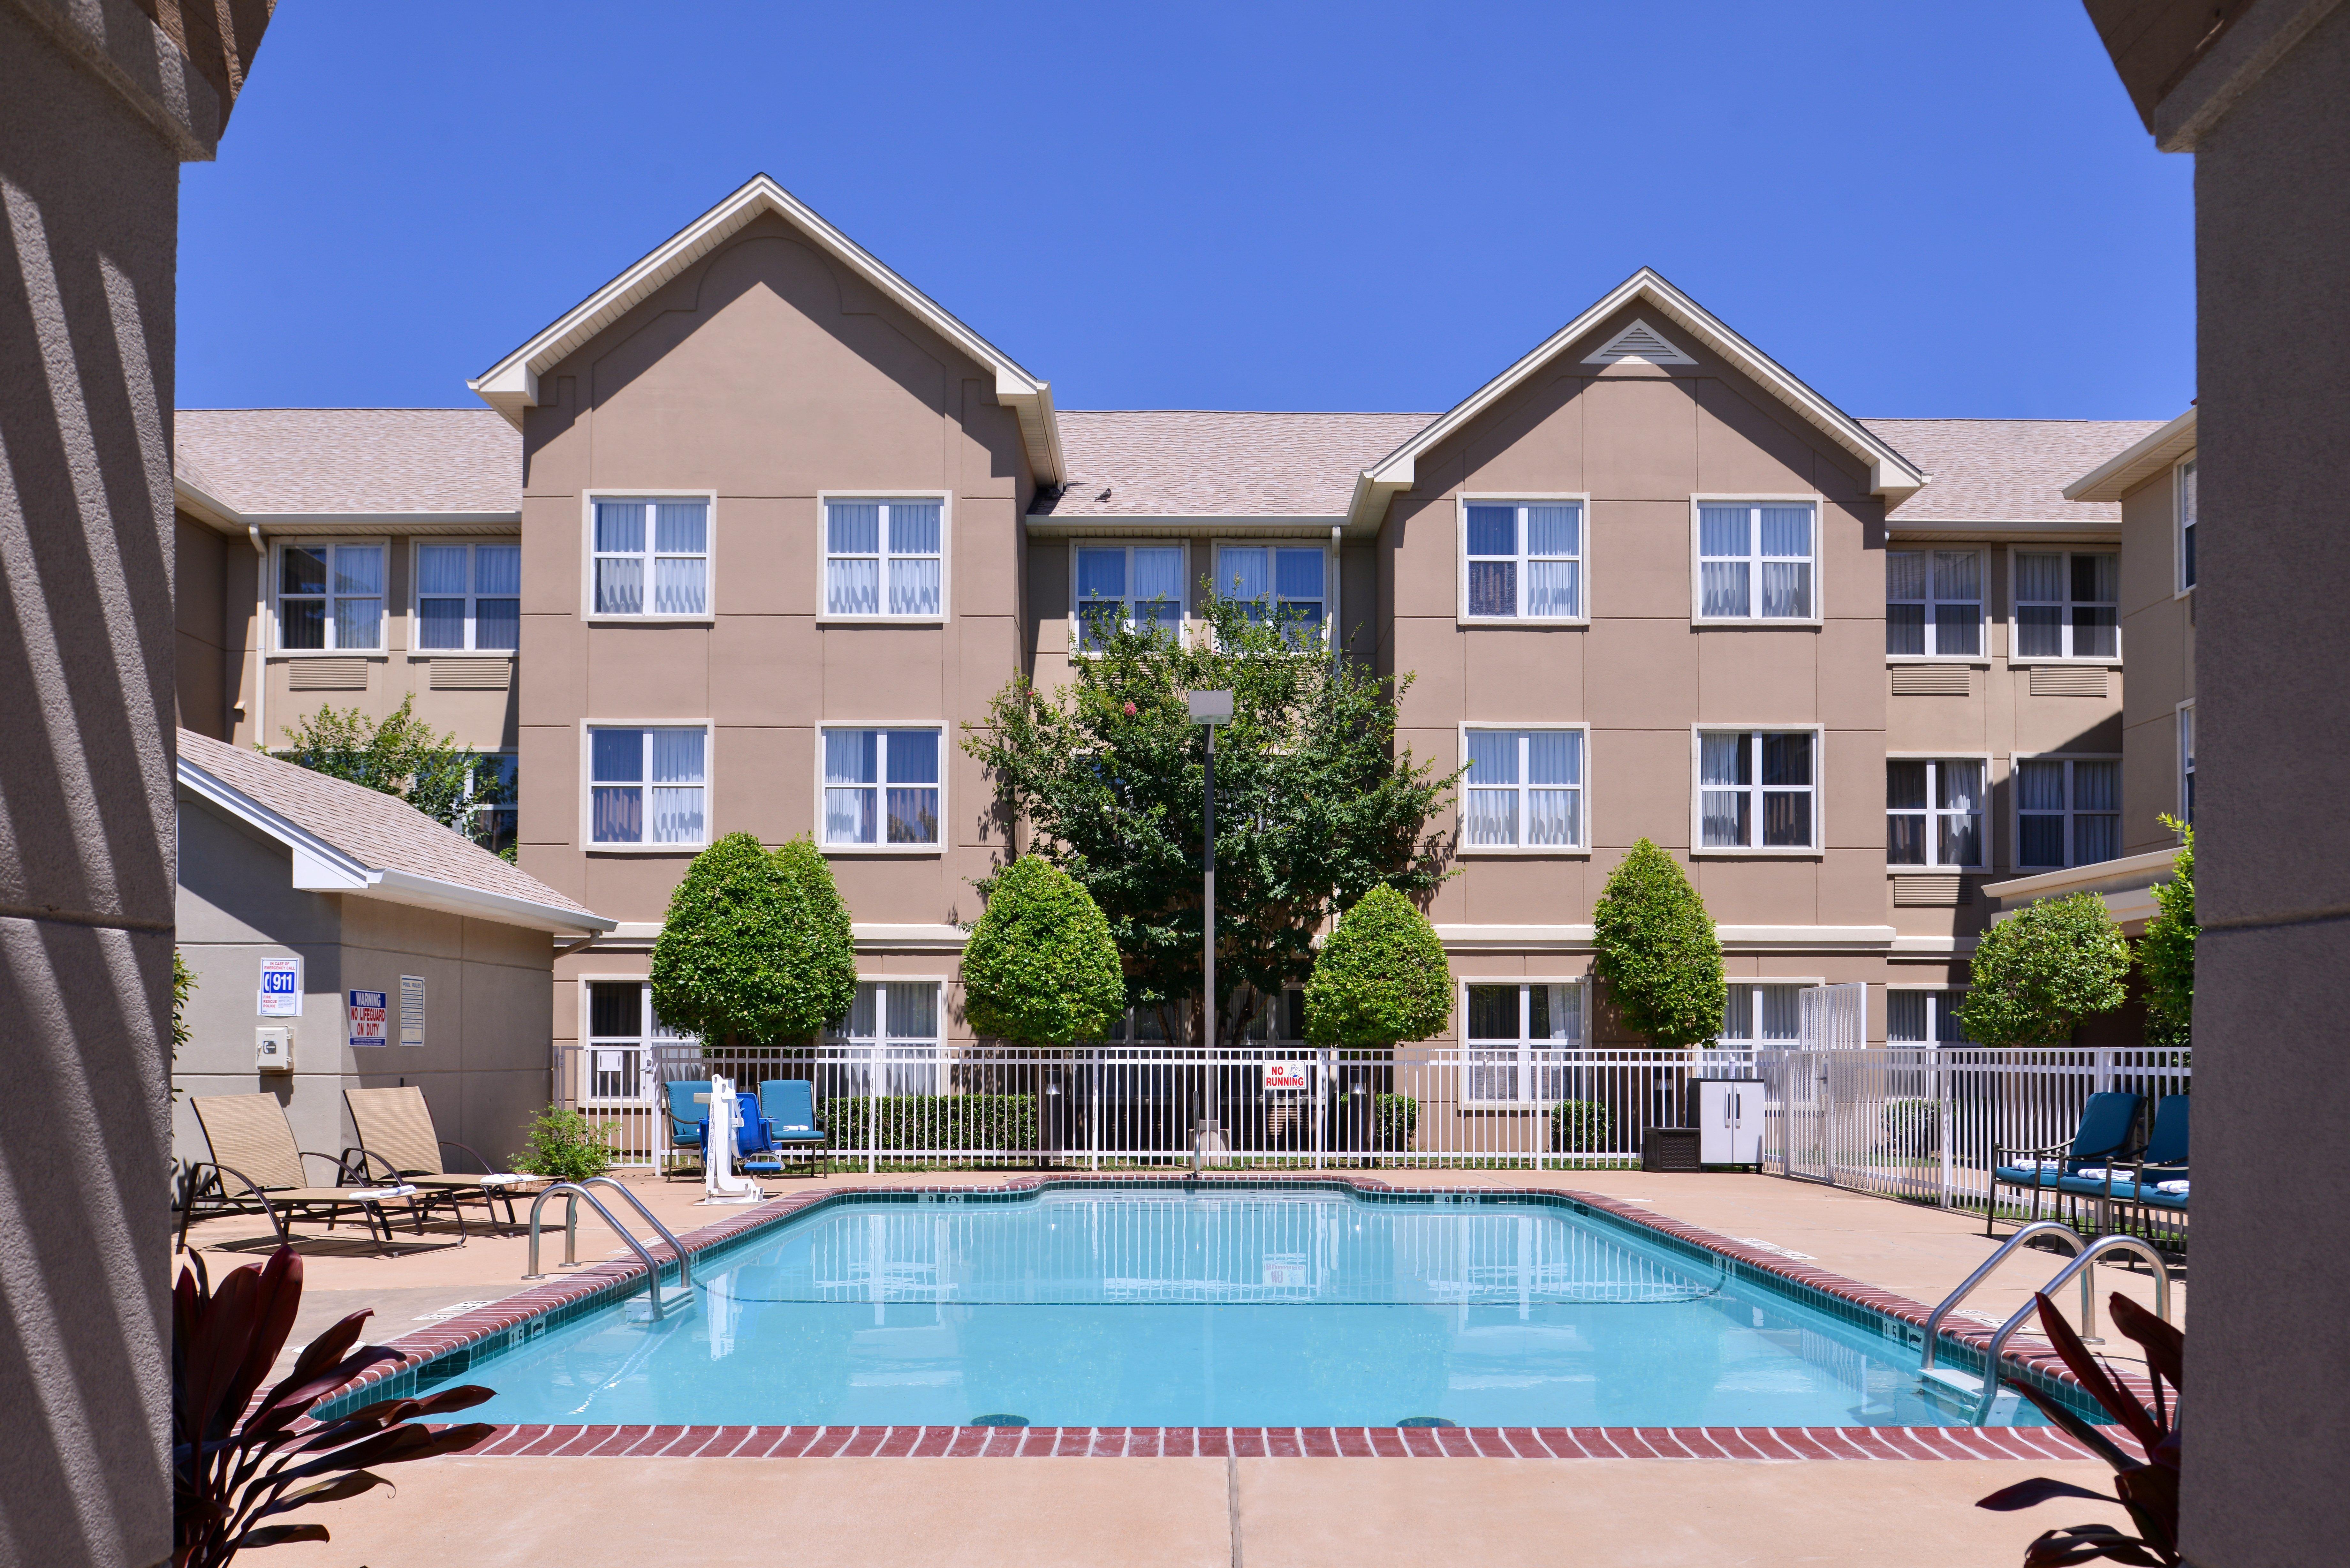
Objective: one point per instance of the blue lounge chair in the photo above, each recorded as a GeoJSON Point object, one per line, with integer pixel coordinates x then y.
{"type": "Point", "coordinates": [686, 1115]}
{"type": "Point", "coordinates": [790, 1107]}
{"type": "Point", "coordinates": [2165, 1159]}
{"type": "Point", "coordinates": [2108, 1132]}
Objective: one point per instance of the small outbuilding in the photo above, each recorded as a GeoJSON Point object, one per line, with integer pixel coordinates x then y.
{"type": "Point", "coordinates": [341, 939]}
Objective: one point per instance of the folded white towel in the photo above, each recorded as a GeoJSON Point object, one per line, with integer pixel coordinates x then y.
{"type": "Point", "coordinates": [2098, 1173]}
{"type": "Point", "coordinates": [2176, 1188]}
{"type": "Point", "coordinates": [2055, 1165]}
{"type": "Point", "coordinates": [371, 1194]}
{"type": "Point", "coordinates": [505, 1179]}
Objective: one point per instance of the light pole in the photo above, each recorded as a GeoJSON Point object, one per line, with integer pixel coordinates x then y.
{"type": "Point", "coordinates": [1211, 709]}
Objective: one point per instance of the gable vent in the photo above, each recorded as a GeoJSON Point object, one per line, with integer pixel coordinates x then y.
{"type": "Point", "coordinates": [1639, 341]}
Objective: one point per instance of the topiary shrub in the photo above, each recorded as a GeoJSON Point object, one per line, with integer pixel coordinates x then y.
{"type": "Point", "coordinates": [1657, 951]}
{"type": "Point", "coordinates": [566, 1146]}
{"type": "Point", "coordinates": [1381, 977]}
{"type": "Point", "coordinates": [1395, 1119]}
{"type": "Point", "coordinates": [1040, 967]}
{"type": "Point", "coordinates": [755, 947]}
{"type": "Point", "coordinates": [2039, 971]}
{"type": "Point", "coordinates": [1580, 1126]}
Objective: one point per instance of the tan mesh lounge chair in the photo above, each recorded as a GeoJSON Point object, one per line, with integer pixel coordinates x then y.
{"type": "Point", "coordinates": [257, 1168]}
{"type": "Point", "coordinates": [398, 1139]}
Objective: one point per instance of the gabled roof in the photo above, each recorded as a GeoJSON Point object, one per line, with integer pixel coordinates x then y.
{"type": "Point", "coordinates": [283, 468]}
{"type": "Point", "coordinates": [1890, 474]}
{"type": "Point", "coordinates": [1167, 465]}
{"type": "Point", "coordinates": [511, 385]}
{"type": "Point", "coordinates": [347, 838]}
{"type": "Point", "coordinates": [2010, 473]}
{"type": "Point", "coordinates": [2138, 463]}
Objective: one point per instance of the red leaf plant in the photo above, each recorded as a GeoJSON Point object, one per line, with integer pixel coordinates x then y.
{"type": "Point", "coordinates": [230, 1471]}
{"type": "Point", "coordinates": [2148, 1489]}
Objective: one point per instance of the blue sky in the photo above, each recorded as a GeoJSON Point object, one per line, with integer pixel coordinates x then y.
{"type": "Point", "coordinates": [1921, 208]}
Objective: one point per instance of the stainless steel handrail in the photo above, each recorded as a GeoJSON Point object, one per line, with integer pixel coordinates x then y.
{"type": "Point", "coordinates": [685, 1262]}
{"type": "Point", "coordinates": [573, 1192]}
{"type": "Point", "coordinates": [2037, 1228]}
{"type": "Point", "coordinates": [2085, 1261]}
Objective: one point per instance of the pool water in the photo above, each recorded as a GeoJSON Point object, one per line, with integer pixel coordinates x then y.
{"type": "Point", "coordinates": [1168, 1307]}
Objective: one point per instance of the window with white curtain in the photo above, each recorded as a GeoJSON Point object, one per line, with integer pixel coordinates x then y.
{"type": "Point", "coordinates": [1924, 1017]}
{"type": "Point", "coordinates": [469, 596]}
{"type": "Point", "coordinates": [888, 1043]}
{"type": "Point", "coordinates": [2067, 605]}
{"type": "Point", "coordinates": [2185, 487]}
{"type": "Point", "coordinates": [1282, 582]}
{"type": "Point", "coordinates": [2186, 764]}
{"type": "Point", "coordinates": [1523, 560]}
{"type": "Point", "coordinates": [330, 595]}
{"type": "Point", "coordinates": [1933, 604]}
{"type": "Point", "coordinates": [882, 557]}
{"type": "Point", "coordinates": [2068, 811]}
{"type": "Point", "coordinates": [1757, 789]}
{"type": "Point", "coordinates": [1755, 560]}
{"type": "Point", "coordinates": [881, 787]}
{"type": "Point", "coordinates": [1934, 811]}
{"type": "Point", "coordinates": [1525, 789]}
{"type": "Point", "coordinates": [648, 786]}
{"type": "Point", "coordinates": [1128, 587]}
{"type": "Point", "coordinates": [651, 556]}
{"type": "Point", "coordinates": [1517, 1035]}
{"type": "Point", "coordinates": [622, 1029]}
{"type": "Point", "coordinates": [1762, 1014]}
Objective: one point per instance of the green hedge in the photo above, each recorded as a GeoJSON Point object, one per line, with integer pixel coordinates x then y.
{"type": "Point", "coordinates": [934, 1121]}
{"type": "Point", "coordinates": [1913, 1128]}
{"type": "Point", "coordinates": [1394, 1119]}
{"type": "Point", "coordinates": [1579, 1126]}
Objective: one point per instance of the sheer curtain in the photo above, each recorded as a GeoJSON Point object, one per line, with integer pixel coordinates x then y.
{"type": "Point", "coordinates": [851, 767]}
{"type": "Point", "coordinates": [1787, 561]}
{"type": "Point", "coordinates": [1553, 813]}
{"type": "Point", "coordinates": [359, 601]}
{"type": "Point", "coordinates": [1554, 564]}
{"type": "Point", "coordinates": [1494, 809]}
{"type": "Point", "coordinates": [1725, 769]}
{"type": "Point", "coordinates": [853, 569]}
{"type": "Point", "coordinates": [619, 565]}
{"type": "Point", "coordinates": [441, 595]}
{"type": "Point", "coordinates": [1725, 542]}
{"type": "Point", "coordinates": [677, 786]}
{"type": "Point", "coordinates": [1244, 571]}
{"type": "Point", "coordinates": [911, 763]}
{"type": "Point", "coordinates": [497, 610]}
{"type": "Point", "coordinates": [914, 533]}
{"type": "Point", "coordinates": [2096, 805]}
{"type": "Point", "coordinates": [1958, 603]}
{"type": "Point", "coordinates": [1958, 804]}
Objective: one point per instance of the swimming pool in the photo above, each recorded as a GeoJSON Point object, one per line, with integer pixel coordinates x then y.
{"type": "Point", "coordinates": [1165, 1305]}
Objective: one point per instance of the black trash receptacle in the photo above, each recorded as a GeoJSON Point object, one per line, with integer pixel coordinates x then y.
{"type": "Point", "coordinates": [1668, 1149]}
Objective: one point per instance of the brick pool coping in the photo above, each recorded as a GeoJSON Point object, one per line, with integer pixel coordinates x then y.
{"type": "Point", "coordinates": [616, 1278]}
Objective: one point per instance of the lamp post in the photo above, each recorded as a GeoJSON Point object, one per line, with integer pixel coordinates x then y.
{"type": "Point", "coordinates": [1211, 709]}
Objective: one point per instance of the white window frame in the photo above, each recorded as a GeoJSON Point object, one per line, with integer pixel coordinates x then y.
{"type": "Point", "coordinates": [2015, 812]}
{"type": "Point", "coordinates": [1932, 1007]}
{"type": "Point", "coordinates": [2185, 721]}
{"type": "Point", "coordinates": [2015, 656]}
{"type": "Point", "coordinates": [1526, 1065]}
{"type": "Point", "coordinates": [1274, 598]}
{"type": "Point", "coordinates": [588, 785]}
{"type": "Point", "coordinates": [1754, 982]}
{"type": "Point", "coordinates": [512, 757]}
{"type": "Point", "coordinates": [848, 1057]}
{"type": "Point", "coordinates": [1697, 617]}
{"type": "Point", "coordinates": [1522, 499]}
{"type": "Point", "coordinates": [1814, 850]}
{"type": "Point", "coordinates": [1183, 601]}
{"type": "Point", "coordinates": [641, 1044]}
{"type": "Point", "coordinates": [417, 596]}
{"type": "Point", "coordinates": [946, 766]}
{"type": "Point", "coordinates": [588, 553]}
{"type": "Point", "coordinates": [277, 596]}
{"type": "Point", "coordinates": [824, 614]}
{"type": "Point", "coordinates": [1581, 848]}
{"type": "Point", "coordinates": [1982, 608]}
{"type": "Point", "coordinates": [1933, 760]}
{"type": "Point", "coordinates": [2185, 505]}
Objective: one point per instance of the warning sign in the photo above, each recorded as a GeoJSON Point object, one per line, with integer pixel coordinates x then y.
{"type": "Point", "coordinates": [369, 1016]}
{"type": "Point", "coordinates": [1284, 1076]}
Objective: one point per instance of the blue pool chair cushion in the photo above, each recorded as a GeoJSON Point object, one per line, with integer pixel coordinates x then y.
{"type": "Point", "coordinates": [686, 1117]}
{"type": "Point", "coordinates": [2108, 1122]}
{"type": "Point", "coordinates": [790, 1105]}
{"type": "Point", "coordinates": [2166, 1147]}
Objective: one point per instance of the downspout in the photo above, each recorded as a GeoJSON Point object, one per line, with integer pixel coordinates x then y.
{"type": "Point", "coordinates": [1338, 570]}
{"type": "Point", "coordinates": [260, 634]}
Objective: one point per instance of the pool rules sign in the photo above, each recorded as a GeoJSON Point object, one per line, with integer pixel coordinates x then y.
{"type": "Point", "coordinates": [411, 1009]}
{"type": "Point", "coordinates": [370, 1013]}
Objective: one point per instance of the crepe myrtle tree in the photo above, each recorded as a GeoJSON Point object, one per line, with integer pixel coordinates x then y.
{"type": "Point", "coordinates": [401, 755]}
{"type": "Point", "coordinates": [1316, 803]}
{"type": "Point", "coordinates": [1381, 977]}
{"type": "Point", "coordinates": [1656, 947]}
{"type": "Point", "coordinates": [755, 949]}
{"type": "Point", "coordinates": [1040, 967]}
{"type": "Point", "coordinates": [2041, 970]}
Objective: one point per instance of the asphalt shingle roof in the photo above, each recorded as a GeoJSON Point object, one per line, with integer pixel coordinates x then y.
{"type": "Point", "coordinates": [2006, 471]}
{"type": "Point", "coordinates": [275, 460]}
{"type": "Point", "coordinates": [1190, 462]}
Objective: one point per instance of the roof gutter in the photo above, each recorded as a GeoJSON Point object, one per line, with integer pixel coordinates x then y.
{"type": "Point", "coordinates": [2136, 463]}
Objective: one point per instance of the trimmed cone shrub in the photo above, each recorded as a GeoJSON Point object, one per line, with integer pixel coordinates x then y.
{"type": "Point", "coordinates": [2043, 970]}
{"type": "Point", "coordinates": [1658, 952]}
{"type": "Point", "coordinates": [1380, 978]}
{"type": "Point", "coordinates": [1040, 967]}
{"type": "Point", "coordinates": [756, 946]}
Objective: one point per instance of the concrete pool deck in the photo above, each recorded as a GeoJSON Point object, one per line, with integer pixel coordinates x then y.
{"type": "Point", "coordinates": [1278, 1510]}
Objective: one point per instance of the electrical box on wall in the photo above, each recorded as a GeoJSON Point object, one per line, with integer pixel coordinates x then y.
{"type": "Point", "coordinates": [272, 1050]}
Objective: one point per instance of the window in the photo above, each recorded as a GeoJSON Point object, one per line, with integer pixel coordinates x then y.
{"type": "Point", "coordinates": [1934, 812]}
{"type": "Point", "coordinates": [2067, 606]}
{"type": "Point", "coordinates": [881, 787]}
{"type": "Point", "coordinates": [331, 596]}
{"type": "Point", "coordinates": [2186, 764]}
{"type": "Point", "coordinates": [893, 1025]}
{"type": "Point", "coordinates": [881, 558]}
{"type": "Point", "coordinates": [1924, 1017]}
{"type": "Point", "coordinates": [2068, 811]}
{"type": "Point", "coordinates": [1754, 561]}
{"type": "Point", "coordinates": [622, 1029]}
{"type": "Point", "coordinates": [1755, 1015]}
{"type": "Point", "coordinates": [1933, 604]}
{"type": "Point", "coordinates": [490, 819]}
{"type": "Point", "coordinates": [659, 545]}
{"type": "Point", "coordinates": [2186, 484]}
{"type": "Point", "coordinates": [1525, 789]}
{"type": "Point", "coordinates": [1277, 581]}
{"type": "Point", "coordinates": [469, 596]}
{"type": "Point", "coordinates": [1523, 560]}
{"type": "Point", "coordinates": [625, 766]}
{"type": "Point", "coordinates": [1755, 789]}
{"type": "Point", "coordinates": [1132, 587]}
{"type": "Point", "coordinates": [1517, 1034]}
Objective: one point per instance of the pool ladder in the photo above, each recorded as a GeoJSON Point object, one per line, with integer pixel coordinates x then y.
{"type": "Point", "coordinates": [573, 1191]}
{"type": "Point", "coordinates": [1984, 1390]}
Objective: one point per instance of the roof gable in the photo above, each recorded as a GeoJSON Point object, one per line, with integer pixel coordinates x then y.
{"type": "Point", "coordinates": [511, 385]}
{"type": "Point", "coordinates": [1890, 474]}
